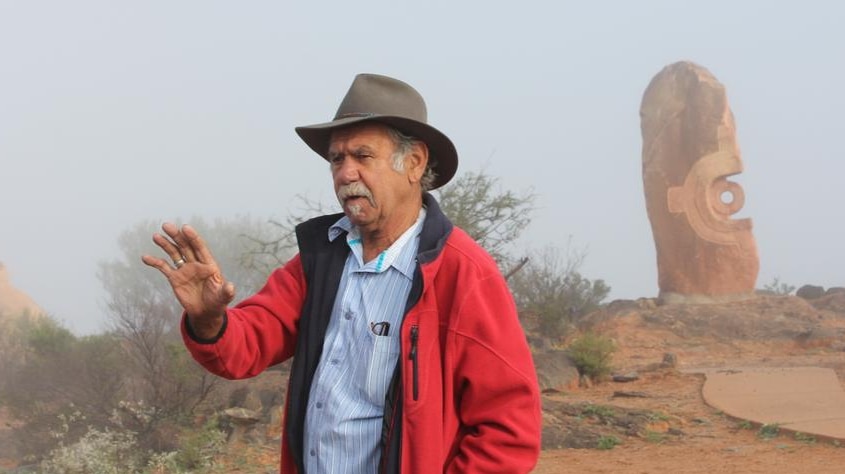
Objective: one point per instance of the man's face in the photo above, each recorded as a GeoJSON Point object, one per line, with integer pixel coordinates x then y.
{"type": "Point", "coordinates": [368, 187]}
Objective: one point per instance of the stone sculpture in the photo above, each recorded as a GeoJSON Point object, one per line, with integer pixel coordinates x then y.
{"type": "Point", "coordinates": [689, 151]}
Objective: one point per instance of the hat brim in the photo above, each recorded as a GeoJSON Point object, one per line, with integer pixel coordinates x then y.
{"type": "Point", "coordinates": [441, 151]}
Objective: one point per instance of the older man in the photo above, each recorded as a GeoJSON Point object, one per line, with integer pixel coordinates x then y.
{"type": "Point", "coordinates": [407, 352]}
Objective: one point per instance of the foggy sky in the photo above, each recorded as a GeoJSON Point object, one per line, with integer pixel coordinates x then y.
{"type": "Point", "coordinates": [116, 112]}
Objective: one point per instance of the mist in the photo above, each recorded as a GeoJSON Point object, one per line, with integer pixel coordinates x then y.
{"type": "Point", "coordinates": [113, 113]}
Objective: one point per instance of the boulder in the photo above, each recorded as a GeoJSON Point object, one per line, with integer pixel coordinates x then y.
{"type": "Point", "coordinates": [243, 423]}
{"type": "Point", "coordinates": [810, 292]}
{"type": "Point", "coordinates": [555, 371]}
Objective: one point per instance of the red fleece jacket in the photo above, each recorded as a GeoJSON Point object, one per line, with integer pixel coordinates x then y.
{"type": "Point", "coordinates": [475, 406]}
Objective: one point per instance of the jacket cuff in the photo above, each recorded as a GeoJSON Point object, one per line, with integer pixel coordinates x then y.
{"type": "Point", "coordinates": [191, 334]}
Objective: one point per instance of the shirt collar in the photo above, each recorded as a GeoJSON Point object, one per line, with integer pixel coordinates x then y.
{"type": "Point", "coordinates": [401, 255]}
{"type": "Point", "coordinates": [342, 225]}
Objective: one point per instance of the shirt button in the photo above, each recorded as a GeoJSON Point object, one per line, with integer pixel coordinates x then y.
{"type": "Point", "coordinates": [335, 361]}
{"type": "Point", "coordinates": [313, 452]}
{"type": "Point", "coordinates": [348, 315]}
{"type": "Point", "coordinates": [319, 404]}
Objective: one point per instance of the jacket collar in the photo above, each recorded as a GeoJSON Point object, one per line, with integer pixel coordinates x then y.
{"type": "Point", "coordinates": [435, 231]}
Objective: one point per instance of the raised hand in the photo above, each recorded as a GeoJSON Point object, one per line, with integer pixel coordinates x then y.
{"type": "Point", "coordinates": [194, 276]}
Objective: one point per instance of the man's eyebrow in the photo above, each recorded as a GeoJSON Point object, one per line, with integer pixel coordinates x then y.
{"type": "Point", "coordinates": [360, 150]}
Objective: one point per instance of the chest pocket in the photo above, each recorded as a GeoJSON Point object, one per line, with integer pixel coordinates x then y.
{"type": "Point", "coordinates": [381, 366]}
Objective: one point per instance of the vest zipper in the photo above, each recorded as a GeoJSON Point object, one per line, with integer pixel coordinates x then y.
{"type": "Point", "coordinates": [415, 335]}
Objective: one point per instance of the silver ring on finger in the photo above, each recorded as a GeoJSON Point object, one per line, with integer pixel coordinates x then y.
{"type": "Point", "coordinates": [179, 263]}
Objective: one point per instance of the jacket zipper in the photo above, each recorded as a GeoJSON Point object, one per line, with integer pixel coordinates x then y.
{"type": "Point", "coordinates": [415, 335]}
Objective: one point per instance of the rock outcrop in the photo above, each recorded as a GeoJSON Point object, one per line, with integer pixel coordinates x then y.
{"type": "Point", "coordinates": [13, 302]}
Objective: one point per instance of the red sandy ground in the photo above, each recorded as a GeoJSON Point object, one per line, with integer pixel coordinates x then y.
{"type": "Point", "coordinates": [693, 437]}
{"type": "Point", "coordinates": [702, 439]}
{"type": "Point", "coordinates": [711, 442]}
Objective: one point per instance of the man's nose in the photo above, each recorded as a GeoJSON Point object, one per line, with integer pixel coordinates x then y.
{"type": "Point", "coordinates": [347, 171]}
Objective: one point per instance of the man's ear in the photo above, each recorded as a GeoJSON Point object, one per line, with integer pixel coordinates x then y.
{"type": "Point", "coordinates": [416, 161]}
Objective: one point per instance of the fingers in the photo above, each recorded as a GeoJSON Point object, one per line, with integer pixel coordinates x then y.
{"type": "Point", "coordinates": [158, 263]}
{"type": "Point", "coordinates": [169, 248]}
{"type": "Point", "coordinates": [179, 245]}
{"type": "Point", "coordinates": [183, 245]}
{"type": "Point", "coordinates": [199, 286]}
{"type": "Point", "coordinates": [197, 245]}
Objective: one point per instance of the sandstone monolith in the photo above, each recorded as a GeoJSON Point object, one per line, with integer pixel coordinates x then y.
{"type": "Point", "coordinates": [689, 151]}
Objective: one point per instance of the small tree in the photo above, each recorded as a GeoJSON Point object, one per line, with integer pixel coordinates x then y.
{"type": "Point", "coordinates": [495, 218]}
{"type": "Point", "coordinates": [276, 244]}
{"type": "Point", "coordinates": [551, 289]}
{"type": "Point", "coordinates": [145, 314]}
{"type": "Point", "coordinates": [778, 287]}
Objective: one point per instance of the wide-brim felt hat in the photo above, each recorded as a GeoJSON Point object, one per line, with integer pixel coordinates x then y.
{"type": "Point", "coordinates": [376, 98]}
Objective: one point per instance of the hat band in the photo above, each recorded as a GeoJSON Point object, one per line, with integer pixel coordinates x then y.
{"type": "Point", "coordinates": [354, 114]}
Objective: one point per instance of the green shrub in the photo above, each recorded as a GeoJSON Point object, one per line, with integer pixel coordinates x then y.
{"type": "Point", "coordinates": [117, 450]}
{"type": "Point", "coordinates": [769, 431]}
{"type": "Point", "coordinates": [551, 288]}
{"type": "Point", "coordinates": [655, 437]}
{"type": "Point", "coordinates": [198, 448]}
{"type": "Point", "coordinates": [591, 354]}
{"type": "Point", "coordinates": [608, 442]}
{"type": "Point", "coordinates": [106, 452]}
{"type": "Point", "coordinates": [598, 411]}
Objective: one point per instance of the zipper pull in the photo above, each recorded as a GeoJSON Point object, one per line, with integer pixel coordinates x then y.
{"type": "Point", "coordinates": [415, 335]}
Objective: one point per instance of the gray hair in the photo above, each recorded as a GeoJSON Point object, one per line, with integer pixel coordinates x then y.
{"type": "Point", "coordinates": [403, 144]}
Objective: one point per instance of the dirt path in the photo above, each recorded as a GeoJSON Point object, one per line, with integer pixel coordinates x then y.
{"type": "Point", "coordinates": [694, 437]}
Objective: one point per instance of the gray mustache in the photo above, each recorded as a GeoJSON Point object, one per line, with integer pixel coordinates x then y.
{"type": "Point", "coordinates": [354, 189]}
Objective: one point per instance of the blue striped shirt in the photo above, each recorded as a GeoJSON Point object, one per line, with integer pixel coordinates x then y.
{"type": "Point", "coordinates": [346, 403]}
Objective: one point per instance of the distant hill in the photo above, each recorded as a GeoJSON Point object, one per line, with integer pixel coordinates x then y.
{"type": "Point", "coordinates": [13, 302]}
